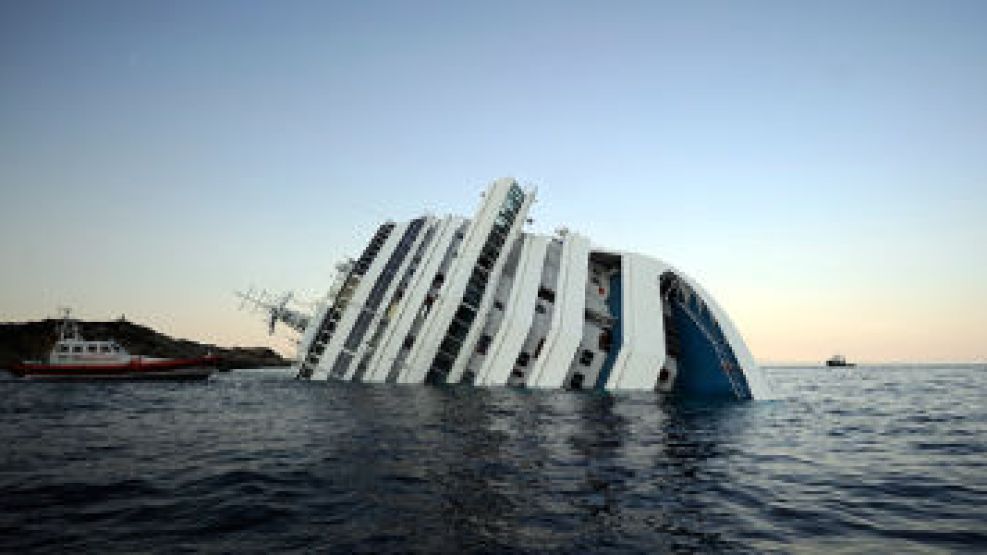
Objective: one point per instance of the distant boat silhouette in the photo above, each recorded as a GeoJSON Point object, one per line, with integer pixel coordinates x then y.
{"type": "Point", "coordinates": [838, 360]}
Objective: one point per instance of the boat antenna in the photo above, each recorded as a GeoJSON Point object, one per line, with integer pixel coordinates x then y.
{"type": "Point", "coordinates": [68, 328]}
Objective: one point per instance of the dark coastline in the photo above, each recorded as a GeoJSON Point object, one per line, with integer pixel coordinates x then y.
{"type": "Point", "coordinates": [33, 340]}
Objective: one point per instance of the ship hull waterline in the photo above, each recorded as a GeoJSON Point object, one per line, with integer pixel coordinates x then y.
{"type": "Point", "coordinates": [135, 370]}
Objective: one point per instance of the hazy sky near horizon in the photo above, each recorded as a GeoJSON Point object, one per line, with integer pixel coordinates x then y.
{"type": "Point", "coordinates": [820, 167]}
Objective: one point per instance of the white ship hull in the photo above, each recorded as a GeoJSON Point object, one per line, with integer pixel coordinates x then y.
{"type": "Point", "coordinates": [480, 301]}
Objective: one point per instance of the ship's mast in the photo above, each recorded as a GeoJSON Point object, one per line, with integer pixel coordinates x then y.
{"type": "Point", "coordinates": [277, 309]}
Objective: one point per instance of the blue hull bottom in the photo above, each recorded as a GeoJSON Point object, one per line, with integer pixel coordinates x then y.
{"type": "Point", "coordinates": [704, 369]}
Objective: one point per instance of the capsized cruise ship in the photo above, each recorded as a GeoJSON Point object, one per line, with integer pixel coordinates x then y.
{"type": "Point", "coordinates": [483, 302]}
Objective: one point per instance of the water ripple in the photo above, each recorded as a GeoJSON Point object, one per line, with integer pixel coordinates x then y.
{"type": "Point", "coordinates": [886, 459]}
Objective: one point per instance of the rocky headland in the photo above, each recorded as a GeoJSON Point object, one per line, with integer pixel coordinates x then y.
{"type": "Point", "coordinates": [33, 341]}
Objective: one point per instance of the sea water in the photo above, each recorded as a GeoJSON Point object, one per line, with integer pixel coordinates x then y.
{"type": "Point", "coordinates": [866, 459]}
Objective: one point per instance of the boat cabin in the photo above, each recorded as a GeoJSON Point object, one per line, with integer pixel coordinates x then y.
{"type": "Point", "coordinates": [71, 347]}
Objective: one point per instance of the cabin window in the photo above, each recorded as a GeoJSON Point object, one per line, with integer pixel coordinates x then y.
{"type": "Point", "coordinates": [586, 357]}
{"type": "Point", "coordinates": [63, 349]}
{"type": "Point", "coordinates": [498, 305]}
{"type": "Point", "coordinates": [458, 330]}
{"type": "Point", "coordinates": [77, 349]}
{"type": "Point", "coordinates": [104, 348]}
{"type": "Point", "coordinates": [443, 362]}
{"type": "Point", "coordinates": [91, 348]}
{"type": "Point", "coordinates": [473, 294]}
{"type": "Point", "coordinates": [577, 381]}
{"type": "Point", "coordinates": [539, 309]}
{"type": "Point", "coordinates": [465, 314]}
{"type": "Point", "coordinates": [541, 343]}
{"type": "Point", "coordinates": [547, 294]}
{"type": "Point", "coordinates": [523, 359]}
{"type": "Point", "coordinates": [479, 277]}
{"type": "Point", "coordinates": [483, 344]}
{"type": "Point", "coordinates": [450, 346]}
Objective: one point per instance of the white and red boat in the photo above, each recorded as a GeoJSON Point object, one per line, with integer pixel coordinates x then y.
{"type": "Point", "coordinates": [75, 358]}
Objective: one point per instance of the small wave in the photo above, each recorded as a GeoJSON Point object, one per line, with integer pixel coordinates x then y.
{"type": "Point", "coordinates": [256, 462]}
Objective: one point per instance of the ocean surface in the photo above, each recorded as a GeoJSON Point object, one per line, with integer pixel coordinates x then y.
{"type": "Point", "coordinates": [885, 459]}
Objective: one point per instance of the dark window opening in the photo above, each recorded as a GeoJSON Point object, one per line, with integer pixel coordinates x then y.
{"type": "Point", "coordinates": [577, 381]}
{"type": "Point", "coordinates": [495, 239]}
{"type": "Point", "coordinates": [473, 295]}
{"type": "Point", "coordinates": [547, 294]}
{"type": "Point", "coordinates": [458, 330]}
{"type": "Point", "coordinates": [541, 343]}
{"type": "Point", "coordinates": [408, 342]}
{"type": "Point", "coordinates": [523, 359]}
{"type": "Point", "coordinates": [540, 309]}
{"type": "Point", "coordinates": [491, 249]}
{"type": "Point", "coordinates": [486, 262]}
{"type": "Point", "coordinates": [450, 346]}
{"type": "Point", "coordinates": [483, 344]}
{"type": "Point", "coordinates": [498, 305]}
{"type": "Point", "coordinates": [465, 314]}
{"type": "Point", "coordinates": [478, 277]}
{"type": "Point", "coordinates": [443, 362]}
{"type": "Point", "coordinates": [586, 357]}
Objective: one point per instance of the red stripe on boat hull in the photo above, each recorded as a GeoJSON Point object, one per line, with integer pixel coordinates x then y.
{"type": "Point", "coordinates": [138, 368]}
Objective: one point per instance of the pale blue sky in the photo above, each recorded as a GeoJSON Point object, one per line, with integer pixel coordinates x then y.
{"type": "Point", "coordinates": [820, 167]}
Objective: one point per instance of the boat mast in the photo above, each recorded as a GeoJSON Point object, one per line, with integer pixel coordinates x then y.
{"type": "Point", "coordinates": [68, 328]}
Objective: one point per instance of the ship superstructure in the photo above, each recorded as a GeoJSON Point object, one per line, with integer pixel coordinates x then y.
{"type": "Point", "coordinates": [481, 301]}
